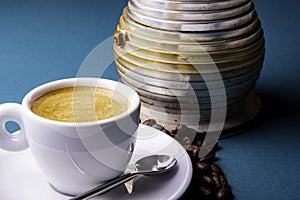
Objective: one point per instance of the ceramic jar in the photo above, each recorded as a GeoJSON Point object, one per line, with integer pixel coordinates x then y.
{"type": "Point", "coordinates": [188, 59]}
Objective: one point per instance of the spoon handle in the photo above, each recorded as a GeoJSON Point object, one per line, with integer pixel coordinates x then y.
{"type": "Point", "coordinates": [105, 187]}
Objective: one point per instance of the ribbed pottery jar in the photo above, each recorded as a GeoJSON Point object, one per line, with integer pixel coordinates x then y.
{"type": "Point", "coordinates": [188, 59]}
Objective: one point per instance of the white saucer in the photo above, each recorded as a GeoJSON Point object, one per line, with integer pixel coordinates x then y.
{"type": "Point", "coordinates": [22, 179]}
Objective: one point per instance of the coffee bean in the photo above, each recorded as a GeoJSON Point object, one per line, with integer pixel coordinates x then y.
{"type": "Point", "coordinates": [199, 142]}
{"type": "Point", "coordinates": [224, 194]}
{"type": "Point", "coordinates": [166, 131]}
{"type": "Point", "coordinates": [193, 153]}
{"type": "Point", "coordinates": [199, 138]}
{"type": "Point", "coordinates": [205, 191]}
{"type": "Point", "coordinates": [207, 181]}
{"type": "Point", "coordinates": [196, 151]}
{"type": "Point", "coordinates": [210, 158]}
{"type": "Point", "coordinates": [158, 126]}
{"type": "Point", "coordinates": [173, 132]}
{"type": "Point", "coordinates": [203, 167]}
{"type": "Point", "coordinates": [215, 168]}
{"type": "Point", "coordinates": [216, 178]}
{"type": "Point", "coordinates": [223, 181]}
{"type": "Point", "coordinates": [196, 179]}
{"type": "Point", "coordinates": [149, 122]}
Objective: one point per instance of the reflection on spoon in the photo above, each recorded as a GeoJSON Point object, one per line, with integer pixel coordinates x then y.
{"type": "Point", "coordinates": [150, 166]}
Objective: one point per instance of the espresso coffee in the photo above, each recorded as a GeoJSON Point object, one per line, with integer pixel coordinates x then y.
{"type": "Point", "coordinates": [80, 104]}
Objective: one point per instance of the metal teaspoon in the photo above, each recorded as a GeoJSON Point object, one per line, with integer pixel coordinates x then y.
{"type": "Point", "coordinates": [150, 166]}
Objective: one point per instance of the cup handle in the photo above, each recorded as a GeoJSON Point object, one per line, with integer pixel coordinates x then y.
{"type": "Point", "coordinates": [16, 141]}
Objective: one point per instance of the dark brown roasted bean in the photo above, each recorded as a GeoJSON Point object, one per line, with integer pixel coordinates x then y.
{"type": "Point", "coordinates": [224, 194]}
{"type": "Point", "coordinates": [216, 178]}
{"type": "Point", "coordinates": [215, 168]}
{"type": "Point", "coordinates": [157, 126]}
{"type": "Point", "coordinates": [199, 142]}
{"type": "Point", "coordinates": [203, 167]}
{"type": "Point", "coordinates": [149, 122]}
{"type": "Point", "coordinates": [199, 138]}
{"type": "Point", "coordinates": [207, 181]}
{"type": "Point", "coordinates": [193, 153]}
{"type": "Point", "coordinates": [205, 191]}
{"type": "Point", "coordinates": [166, 131]}
{"type": "Point", "coordinates": [196, 151]}
{"type": "Point", "coordinates": [223, 181]}
{"type": "Point", "coordinates": [210, 158]}
{"type": "Point", "coordinates": [173, 132]}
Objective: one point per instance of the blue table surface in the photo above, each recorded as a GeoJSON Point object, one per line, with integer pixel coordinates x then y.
{"type": "Point", "coordinates": [41, 41]}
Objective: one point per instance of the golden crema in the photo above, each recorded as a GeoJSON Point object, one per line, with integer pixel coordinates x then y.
{"type": "Point", "coordinates": [80, 104]}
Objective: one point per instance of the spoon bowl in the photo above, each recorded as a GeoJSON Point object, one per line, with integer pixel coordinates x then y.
{"type": "Point", "coordinates": [155, 164]}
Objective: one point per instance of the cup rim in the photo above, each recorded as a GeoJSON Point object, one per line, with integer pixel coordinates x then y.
{"type": "Point", "coordinates": [129, 93]}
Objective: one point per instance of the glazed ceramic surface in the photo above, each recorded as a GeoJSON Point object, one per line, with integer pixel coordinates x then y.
{"type": "Point", "coordinates": [173, 51]}
{"type": "Point", "coordinates": [74, 156]}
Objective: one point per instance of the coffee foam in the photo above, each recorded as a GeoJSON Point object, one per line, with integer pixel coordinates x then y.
{"type": "Point", "coordinates": [80, 104]}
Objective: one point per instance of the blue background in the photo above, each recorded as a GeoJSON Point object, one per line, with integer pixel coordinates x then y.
{"type": "Point", "coordinates": [41, 41]}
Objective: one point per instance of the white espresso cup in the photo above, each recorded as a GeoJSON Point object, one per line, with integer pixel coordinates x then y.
{"type": "Point", "coordinates": [74, 156]}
